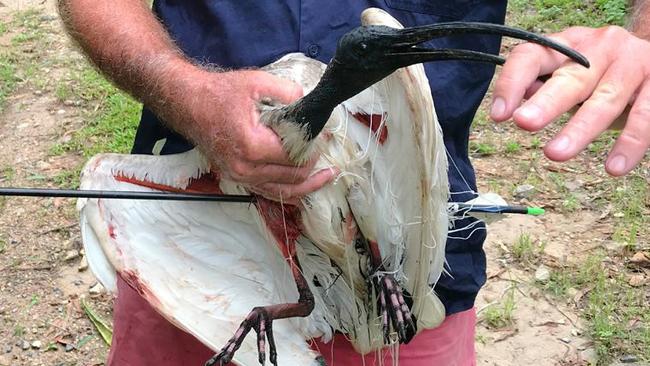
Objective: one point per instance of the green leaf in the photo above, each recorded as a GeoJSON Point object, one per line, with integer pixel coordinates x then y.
{"type": "Point", "coordinates": [105, 330]}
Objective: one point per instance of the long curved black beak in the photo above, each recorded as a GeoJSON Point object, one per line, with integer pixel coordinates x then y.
{"type": "Point", "coordinates": [405, 43]}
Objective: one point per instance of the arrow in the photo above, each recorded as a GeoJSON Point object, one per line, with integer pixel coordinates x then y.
{"type": "Point", "coordinates": [457, 207]}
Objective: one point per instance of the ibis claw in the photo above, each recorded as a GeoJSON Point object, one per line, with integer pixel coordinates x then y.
{"type": "Point", "coordinates": [258, 320]}
{"type": "Point", "coordinates": [393, 309]}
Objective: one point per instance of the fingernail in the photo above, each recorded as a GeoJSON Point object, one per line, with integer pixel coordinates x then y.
{"type": "Point", "coordinates": [529, 112]}
{"type": "Point", "coordinates": [561, 143]}
{"type": "Point", "coordinates": [617, 164]}
{"type": "Point", "coordinates": [498, 108]}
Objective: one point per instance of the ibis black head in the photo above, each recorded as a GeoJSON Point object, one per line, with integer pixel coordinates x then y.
{"type": "Point", "coordinates": [371, 53]}
{"type": "Point", "coordinates": [368, 54]}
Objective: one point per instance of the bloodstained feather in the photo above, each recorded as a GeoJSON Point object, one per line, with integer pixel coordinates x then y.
{"type": "Point", "coordinates": [374, 122]}
{"type": "Point", "coordinates": [207, 183]}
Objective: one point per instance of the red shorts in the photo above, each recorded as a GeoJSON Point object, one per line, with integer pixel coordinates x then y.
{"type": "Point", "coordinates": [142, 337]}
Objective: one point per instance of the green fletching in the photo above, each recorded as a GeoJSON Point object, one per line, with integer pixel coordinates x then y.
{"type": "Point", "coordinates": [535, 211]}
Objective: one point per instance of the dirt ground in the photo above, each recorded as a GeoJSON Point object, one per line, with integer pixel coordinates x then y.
{"type": "Point", "coordinates": [43, 276]}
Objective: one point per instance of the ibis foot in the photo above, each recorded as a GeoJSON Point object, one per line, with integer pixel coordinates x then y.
{"type": "Point", "coordinates": [394, 311]}
{"type": "Point", "coordinates": [259, 320]}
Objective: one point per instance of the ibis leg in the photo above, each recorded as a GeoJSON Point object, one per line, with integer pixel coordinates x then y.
{"type": "Point", "coordinates": [392, 307]}
{"type": "Point", "coordinates": [261, 319]}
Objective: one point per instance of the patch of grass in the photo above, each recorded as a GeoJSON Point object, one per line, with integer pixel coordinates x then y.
{"type": "Point", "coordinates": [571, 203]}
{"type": "Point", "coordinates": [631, 199]}
{"type": "Point", "coordinates": [556, 15]}
{"type": "Point", "coordinates": [536, 142]}
{"type": "Point", "coordinates": [8, 78]}
{"type": "Point", "coordinates": [29, 19]}
{"type": "Point", "coordinates": [34, 301]}
{"type": "Point", "coordinates": [68, 178]}
{"type": "Point", "coordinates": [7, 173]}
{"type": "Point", "coordinates": [481, 118]}
{"type": "Point", "coordinates": [111, 128]}
{"type": "Point", "coordinates": [525, 249]}
{"type": "Point", "coordinates": [498, 316]}
{"type": "Point", "coordinates": [24, 38]}
{"type": "Point", "coordinates": [609, 306]}
{"type": "Point", "coordinates": [19, 331]}
{"type": "Point", "coordinates": [512, 147]}
{"type": "Point", "coordinates": [482, 148]}
{"type": "Point", "coordinates": [29, 24]}
{"type": "Point", "coordinates": [559, 283]}
{"type": "Point", "coordinates": [603, 143]}
{"type": "Point", "coordinates": [63, 92]}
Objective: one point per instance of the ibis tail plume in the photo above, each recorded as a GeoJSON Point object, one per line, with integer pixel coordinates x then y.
{"type": "Point", "coordinates": [359, 256]}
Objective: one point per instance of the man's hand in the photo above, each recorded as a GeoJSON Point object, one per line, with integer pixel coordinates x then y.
{"type": "Point", "coordinates": [216, 110]}
{"type": "Point", "coordinates": [619, 77]}
{"type": "Point", "coordinates": [223, 108]}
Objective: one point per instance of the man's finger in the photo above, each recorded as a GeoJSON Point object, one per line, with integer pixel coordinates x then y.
{"type": "Point", "coordinates": [569, 85]}
{"type": "Point", "coordinates": [288, 192]}
{"type": "Point", "coordinates": [634, 141]}
{"type": "Point", "coordinates": [247, 173]}
{"type": "Point", "coordinates": [524, 65]}
{"type": "Point", "coordinates": [268, 149]}
{"type": "Point", "coordinates": [278, 89]}
{"type": "Point", "coordinates": [597, 113]}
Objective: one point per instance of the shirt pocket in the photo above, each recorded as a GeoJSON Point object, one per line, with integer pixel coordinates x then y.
{"type": "Point", "coordinates": [446, 9]}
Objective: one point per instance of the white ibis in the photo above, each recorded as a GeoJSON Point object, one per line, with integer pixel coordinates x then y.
{"type": "Point", "coordinates": [359, 256]}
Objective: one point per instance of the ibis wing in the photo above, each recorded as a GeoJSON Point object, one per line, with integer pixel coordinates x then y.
{"type": "Point", "coordinates": [202, 265]}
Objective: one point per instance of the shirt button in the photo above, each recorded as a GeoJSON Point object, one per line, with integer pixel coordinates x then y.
{"type": "Point", "coordinates": [313, 50]}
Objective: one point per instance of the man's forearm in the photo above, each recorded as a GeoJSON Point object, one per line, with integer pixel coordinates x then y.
{"type": "Point", "coordinates": [129, 45]}
{"type": "Point", "coordinates": [639, 20]}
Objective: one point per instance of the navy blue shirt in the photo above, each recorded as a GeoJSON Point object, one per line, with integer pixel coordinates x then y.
{"type": "Point", "coordinates": [245, 33]}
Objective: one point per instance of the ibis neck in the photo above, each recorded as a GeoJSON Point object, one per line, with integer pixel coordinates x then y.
{"type": "Point", "coordinates": [314, 109]}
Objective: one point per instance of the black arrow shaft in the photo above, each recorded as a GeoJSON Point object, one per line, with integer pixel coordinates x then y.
{"type": "Point", "coordinates": [157, 196]}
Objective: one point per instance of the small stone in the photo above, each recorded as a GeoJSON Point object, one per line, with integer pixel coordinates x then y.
{"type": "Point", "coordinates": [637, 280]}
{"type": "Point", "coordinates": [69, 347]}
{"type": "Point", "coordinates": [22, 126]}
{"type": "Point", "coordinates": [566, 340]}
{"type": "Point", "coordinates": [614, 247]}
{"type": "Point", "coordinates": [68, 103]}
{"type": "Point", "coordinates": [524, 191]}
{"type": "Point", "coordinates": [25, 345]}
{"type": "Point", "coordinates": [96, 289]}
{"type": "Point", "coordinates": [65, 139]}
{"type": "Point", "coordinates": [37, 344]}
{"type": "Point", "coordinates": [573, 186]}
{"type": "Point", "coordinates": [576, 332]}
{"type": "Point", "coordinates": [619, 215]}
{"type": "Point", "coordinates": [488, 297]}
{"type": "Point", "coordinates": [38, 92]}
{"type": "Point", "coordinates": [641, 259]}
{"type": "Point", "coordinates": [78, 282]}
{"type": "Point", "coordinates": [590, 355]}
{"type": "Point", "coordinates": [71, 254]}
{"type": "Point", "coordinates": [542, 274]}
{"type": "Point", "coordinates": [48, 18]}
{"type": "Point", "coordinates": [629, 359]}
{"type": "Point", "coordinates": [8, 348]}
{"type": "Point", "coordinates": [83, 265]}
{"type": "Point", "coordinates": [60, 111]}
